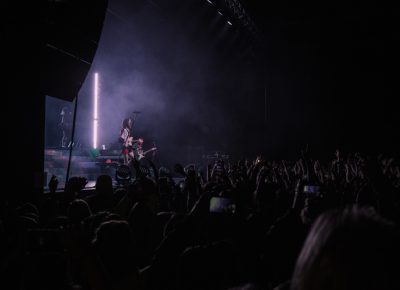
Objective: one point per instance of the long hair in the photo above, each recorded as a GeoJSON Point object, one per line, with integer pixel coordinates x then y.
{"type": "Point", "coordinates": [125, 123]}
{"type": "Point", "coordinates": [350, 248]}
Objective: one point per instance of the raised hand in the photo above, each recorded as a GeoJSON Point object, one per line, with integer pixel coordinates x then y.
{"type": "Point", "coordinates": [53, 184]}
{"type": "Point", "coordinates": [285, 170]}
{"type": "Point", "coordinates": [262, 173]}
{"type": "Point", "coordinates": [347, 172]}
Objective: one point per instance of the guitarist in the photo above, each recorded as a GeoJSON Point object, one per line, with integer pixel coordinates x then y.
{"type": "Point", "coordinates": [139, 153]}
{"type": "Point", "coordinates": [125, 137]}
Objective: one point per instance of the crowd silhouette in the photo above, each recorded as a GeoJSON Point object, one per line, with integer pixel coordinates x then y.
{"type": "Point", "coordinates": [291, 224]}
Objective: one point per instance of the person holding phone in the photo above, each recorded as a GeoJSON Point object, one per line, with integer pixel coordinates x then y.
{"type": "Point", "coordinates": [222, 205]}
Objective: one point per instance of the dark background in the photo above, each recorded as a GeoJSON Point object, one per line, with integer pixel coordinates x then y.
{"type": "Point", "coordinates": [332, 65]}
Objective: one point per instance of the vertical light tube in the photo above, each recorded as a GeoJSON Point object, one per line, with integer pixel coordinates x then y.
{"type": "Point", "coordinates": [95, 109]}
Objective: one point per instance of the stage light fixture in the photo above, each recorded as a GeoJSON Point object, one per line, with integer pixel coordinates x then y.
{"type": "Point", "coordinates": [123, 174]}
{"type": "Point", "coordinates": [95, 109]}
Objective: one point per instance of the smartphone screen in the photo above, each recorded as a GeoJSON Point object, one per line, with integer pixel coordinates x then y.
{"type": "Point", "coordinates": [311, 190]}
{"type": "Point", "coordinates": [222, 205]}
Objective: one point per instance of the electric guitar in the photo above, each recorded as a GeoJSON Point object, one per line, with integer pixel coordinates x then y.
{"type": "Point", "coordinates": [140, 153]}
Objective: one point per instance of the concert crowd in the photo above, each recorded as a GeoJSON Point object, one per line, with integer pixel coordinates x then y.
{"type": "Point", "coordinates": [245, 224]}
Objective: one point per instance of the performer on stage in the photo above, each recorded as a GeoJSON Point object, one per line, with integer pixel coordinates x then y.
{"type": "Point", "coordinates": [126, 139]}
{"type": "Point", "coordinates": [65, 125]}
{"type": "Point", "coordinates": [139, 152]}
{"type": "Point", "coordinates": [137, 147]}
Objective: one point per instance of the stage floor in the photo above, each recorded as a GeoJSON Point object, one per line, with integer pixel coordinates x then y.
{"type": "Point", "coordinates": [86, 163]}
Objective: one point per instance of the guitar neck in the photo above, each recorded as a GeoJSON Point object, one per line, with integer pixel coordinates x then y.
{"type": "Point", "coordinates": [145, 152]}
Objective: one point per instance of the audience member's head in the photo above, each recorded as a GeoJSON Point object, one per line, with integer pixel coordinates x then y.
{"type": "Point", "coordinates": [351, 248]}
{"type": "Point", "coordinates": [78, 210]}
{"type": "Point", "coordinates": [92, 222]}
{"type": "Point", "coordinates": [144, 190]}
{"type": "Point", "coordinates": [140, 217]}
{"type": "Point", "coordinates": [74, 185]}
{"type": "Point", "coordinates": [27, 209]}
{"type": "Point", "coordinates": [113, 243]}
{"type": "Point", "coordinates": [119, 193]}
{"type": "Point", "coordinates": [209, 267]}
{"type": "Point", "coordinates": [104, 185]}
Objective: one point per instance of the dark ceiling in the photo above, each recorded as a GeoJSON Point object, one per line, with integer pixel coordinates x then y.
{"type": "Point", "coordinates": [341, 56]}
